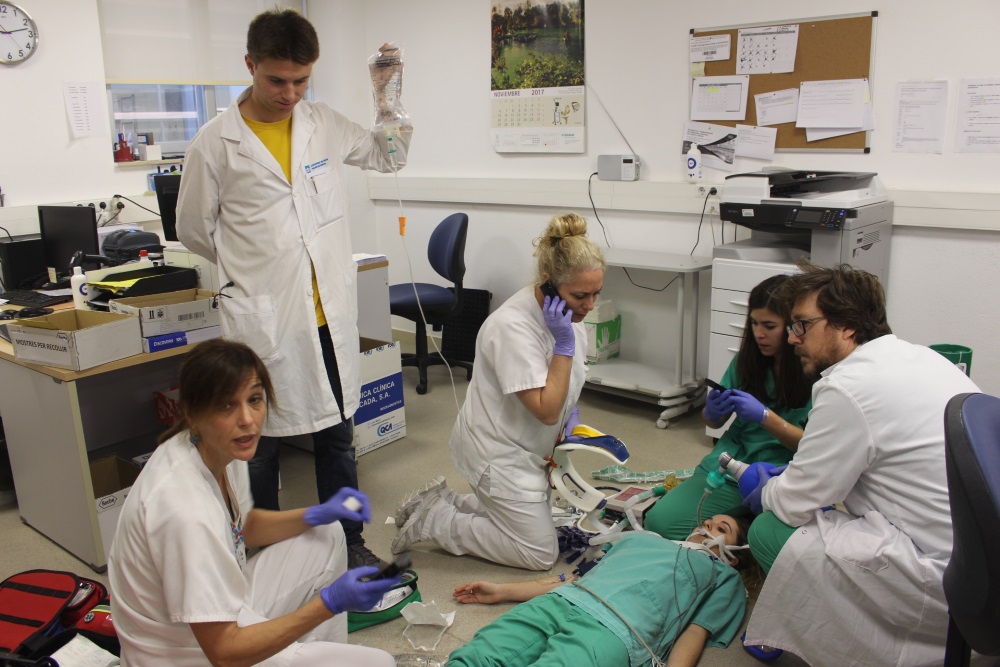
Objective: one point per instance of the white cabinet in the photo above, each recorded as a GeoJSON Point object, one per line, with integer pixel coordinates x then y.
{"type": "Point", "coordinates": [732, 280]}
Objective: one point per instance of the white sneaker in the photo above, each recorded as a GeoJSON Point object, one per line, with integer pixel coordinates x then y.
{"type": "Point", "coordinates": [411, 532]}
{"type": "Point", "coordinates": [411, 502]}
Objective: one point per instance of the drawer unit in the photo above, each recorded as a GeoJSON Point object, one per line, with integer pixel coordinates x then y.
{"type": "Point", "coordinates": [729, 324]}
{"type": "Point", "coordinates": [721, 350]}
{"type": "Point", "coordinates": [742, 275]}
{"type": "Point", "coordinates": [730, 301]}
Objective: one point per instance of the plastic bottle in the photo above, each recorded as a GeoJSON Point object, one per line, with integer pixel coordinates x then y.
{"type": "Point", "coordinates": [78, 283]}
{"type": "Point", "coordinates": [694, 164]}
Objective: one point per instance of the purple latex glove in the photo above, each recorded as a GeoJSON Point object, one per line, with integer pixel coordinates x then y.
{"type": "Point", "coordinates": [334, 509]}
{"type": "Point", "coordinates": [716, 409]}
{"type": "Point", "coordinates": [754, 479]}
{"type": "Point", "coordinates": [561, 325]}
{"type": "Point", "coordinates": [572, 421]}
{"type": "Point", "coordinates": [746, 406]}
{"type": "Point", "coordinates": [348, 593]}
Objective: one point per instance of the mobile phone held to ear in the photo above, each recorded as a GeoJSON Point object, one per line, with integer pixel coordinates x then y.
{"type": "Point", "coordinates": [714, 385]}
{"type": "Point", "coordinates": [393, 569]}
{"type": "Point", "coordinates": [549, 290]}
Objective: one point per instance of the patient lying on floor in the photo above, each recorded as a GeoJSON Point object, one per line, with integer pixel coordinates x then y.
{"type": "Point", "coordinates": [648, 597]}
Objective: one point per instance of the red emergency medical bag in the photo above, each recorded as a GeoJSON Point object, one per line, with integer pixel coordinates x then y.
{"type": "Point", "coordinates": [37, 604]}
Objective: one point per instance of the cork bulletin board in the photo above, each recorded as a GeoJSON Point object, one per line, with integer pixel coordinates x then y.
{"type": "Point", "coordinates": [838, 47]}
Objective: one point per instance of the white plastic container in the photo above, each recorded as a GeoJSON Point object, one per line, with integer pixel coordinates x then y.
{"type": "Point", "coordinates": [693, 160]}
{"type": "Point", "coordinates": [78, 283]}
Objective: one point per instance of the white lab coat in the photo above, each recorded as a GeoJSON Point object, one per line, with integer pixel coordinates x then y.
{"type": "Point", "coordinates": [865, 588]}
{"type": "Point", "coordinates": [236, 209]}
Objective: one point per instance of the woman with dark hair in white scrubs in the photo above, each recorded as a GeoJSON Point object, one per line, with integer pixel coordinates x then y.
{"type": "Point", "coordinates": [183, 591]}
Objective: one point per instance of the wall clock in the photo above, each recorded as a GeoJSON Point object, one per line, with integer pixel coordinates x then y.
{"type": "Point", "coordinates": [18, 34]}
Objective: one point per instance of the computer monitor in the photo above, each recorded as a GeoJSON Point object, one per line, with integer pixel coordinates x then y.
{"type": "Point", "coordinates": [167, 186]}
{"type": "Point", "coordinates": [66, 230]}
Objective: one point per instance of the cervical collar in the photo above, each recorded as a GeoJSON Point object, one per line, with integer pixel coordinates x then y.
{"type": "Point", "coordinates": [571, 485]}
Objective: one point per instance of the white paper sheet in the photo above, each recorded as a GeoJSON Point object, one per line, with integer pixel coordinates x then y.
{"type": "Point", "coordinates": [712, 47]}
{"type": "Point", "coordinates": [780, 106]}
{"type": "Point", "coordinates": [719, 97]}
{"type": "Point", "coordinates": [717, 144]}
{"type": "Point", "coordinates": [816, 133]}
{"type": "Point", "coordinates": [755, 142]}
{"type": "Point", "coordinates": [85, 110]}
{"type": "Point", "coordinates": [978, 126]}
{"type": "Point", "coordinates": [81, 652]}
{"type": "Point", "coordinates": [836, 103]}
{"type": "Point", "coordinates": [921, 109]}
{"type": "Point", "coordinates": [767, 50]}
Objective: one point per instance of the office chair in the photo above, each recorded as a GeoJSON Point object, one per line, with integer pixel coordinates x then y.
{"type": "Point", "coordinates": [972, 578]}
{"type": "Point", "coordinates": [446, 254]}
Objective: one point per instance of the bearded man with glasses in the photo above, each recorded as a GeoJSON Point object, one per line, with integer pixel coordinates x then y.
{"type": "Point", "coordinates": [856, 531]}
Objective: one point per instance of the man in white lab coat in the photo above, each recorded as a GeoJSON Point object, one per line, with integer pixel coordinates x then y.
{"type": "Point", "coordinates": [262, 197]}
{"type": "Point", "coordinates": [863, 586]}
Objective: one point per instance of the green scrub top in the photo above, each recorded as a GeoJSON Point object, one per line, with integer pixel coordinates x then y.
{"type": "Point", "coordinates": [660, 587]}
{"type": "Point", "coordinates": [749, 442]}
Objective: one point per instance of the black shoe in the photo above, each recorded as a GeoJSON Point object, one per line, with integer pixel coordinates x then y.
{"type": "Point", "coordinates": [359, 554]}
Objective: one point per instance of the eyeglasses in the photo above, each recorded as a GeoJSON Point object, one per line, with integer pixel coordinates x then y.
{"type": "Point", "coordinates": [798, 327]}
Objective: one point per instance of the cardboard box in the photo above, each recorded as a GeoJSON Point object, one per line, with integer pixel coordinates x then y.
{"type": "Point", "coordinates": [603, 339]}
{"type": "Point", "coordinates": [149, 152]}
{"type": "Point", "coordinates": [141, 459]}
{"type": "Point", "coordinates": [112, 477]}
{"type": "Point", "coordinates": [170, 312]}
{"type": "Point", "coordinates": [380, 418]}
{"type": "Point", "coordinates": [603, 311]}
{"type": "Point", "coordinates": [75, 339]}
{"type": "Point", "coordinates": [180, 339]}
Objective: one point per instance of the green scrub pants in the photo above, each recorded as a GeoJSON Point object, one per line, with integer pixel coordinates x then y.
{"type": "Point", "coordinates": [768, 535]}
{"type": "Point", "coordinates": [545, 631]}
{"type": "Point", "coordinates": [674, 515]}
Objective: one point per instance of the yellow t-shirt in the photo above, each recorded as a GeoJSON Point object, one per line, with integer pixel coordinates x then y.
{"type": "Point", "coordinates": [277, 138]}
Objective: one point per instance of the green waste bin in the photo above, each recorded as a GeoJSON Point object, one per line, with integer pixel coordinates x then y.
{"type": "Point", "coordinates": [959, 355]}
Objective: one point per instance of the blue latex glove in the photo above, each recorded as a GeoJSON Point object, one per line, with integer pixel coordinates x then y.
{"type": "Point", "coordinates": [348, 593]}
{"type": "Point", "coordinates": [572, 421]}
{"type": "Point", "coordinates": [334, 510]}
{"type": "Point", "coordinates": [746, 406]}
{"type": "Point", "coordinates": [754, 479]}
{"type": "Point", "coordinates": [561, 325]}
{"type": "Point", "coordinates": [716, 409]}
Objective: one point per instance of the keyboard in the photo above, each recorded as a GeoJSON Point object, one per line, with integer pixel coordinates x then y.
{"type": "Point", "coordinates": [28, 299]}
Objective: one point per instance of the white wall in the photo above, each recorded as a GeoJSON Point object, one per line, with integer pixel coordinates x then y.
{"type": "Point", "coordinates": [942, 281]}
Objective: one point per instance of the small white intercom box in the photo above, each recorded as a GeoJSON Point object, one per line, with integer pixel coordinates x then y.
{"type": "Point", "coordinates": [618, 167]}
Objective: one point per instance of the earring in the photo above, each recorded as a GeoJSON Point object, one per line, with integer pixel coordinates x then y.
{"type": "Point", "coordinates": [194, 438]}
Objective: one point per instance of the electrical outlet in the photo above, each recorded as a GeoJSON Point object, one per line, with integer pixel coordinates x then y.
{"type": "Point", "coordinates": [713, 208]}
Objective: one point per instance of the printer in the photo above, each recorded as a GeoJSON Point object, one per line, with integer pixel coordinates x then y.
{"type": "Point", "coordinates": [833, 217]}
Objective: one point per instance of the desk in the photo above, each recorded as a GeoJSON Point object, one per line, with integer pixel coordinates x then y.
{"type": "Point", "coordinates": [57, 420]}
{"type": "Point", "coordinates": [680, 389]}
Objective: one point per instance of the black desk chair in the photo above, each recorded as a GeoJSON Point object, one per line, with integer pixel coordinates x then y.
{"type": "Point", "coordinates": [446, 253]}
{"type": "Point", "coordinates": [972, 578]}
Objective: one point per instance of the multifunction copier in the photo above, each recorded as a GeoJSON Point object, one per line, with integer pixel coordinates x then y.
{"type": "Point", "coordinates": [833, 217]}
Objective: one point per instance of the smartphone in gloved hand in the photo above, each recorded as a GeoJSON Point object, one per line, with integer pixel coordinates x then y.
{"type": "Point", "coordinates": [393, 569]}
{"type": "Point", "coordinates": [714, 385]}
{"type": "Point", "coordinates": [549, 290]}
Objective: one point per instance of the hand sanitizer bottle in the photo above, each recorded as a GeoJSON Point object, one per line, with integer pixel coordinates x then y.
{"type": "Point", "coordinates": [78, 283]}
{"type": "Point", "coordinates": [693, 159]}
